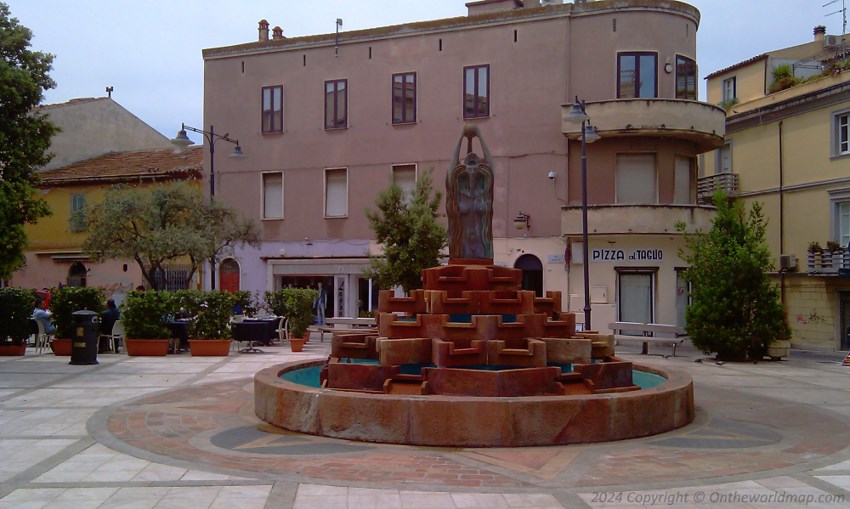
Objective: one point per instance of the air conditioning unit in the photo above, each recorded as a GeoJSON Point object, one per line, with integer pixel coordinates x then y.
{"type": "Point", "coordinates": [831, 40]}
{"type": "Point", "coordinates": [787, 262]}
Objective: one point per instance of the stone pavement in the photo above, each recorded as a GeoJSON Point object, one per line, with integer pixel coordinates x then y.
{"type": "Point", "coordinates": [179, 431]}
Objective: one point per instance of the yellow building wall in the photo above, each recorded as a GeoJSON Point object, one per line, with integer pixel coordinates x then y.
{"type": "Point", "coordinates": [749, 83]}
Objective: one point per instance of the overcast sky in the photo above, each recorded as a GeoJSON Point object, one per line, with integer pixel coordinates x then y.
{"type": "Point", "coordinates": [150, 51]}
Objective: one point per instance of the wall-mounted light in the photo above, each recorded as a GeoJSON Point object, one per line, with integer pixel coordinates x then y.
{"type": "Point", "coordinates": [668, 67]}
{"type": "Point", "coordinates": [522, 221]}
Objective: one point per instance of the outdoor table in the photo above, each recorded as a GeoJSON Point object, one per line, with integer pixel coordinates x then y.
{"type": "Point", "coordinates": [250, 331]}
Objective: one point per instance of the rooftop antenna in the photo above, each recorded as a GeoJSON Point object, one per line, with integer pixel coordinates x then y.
{"type": "Point", "coordinates": [109, 92]}
{"type": "Point", "coordinates": [339, 24]}
{"type": "Point", "coordinates": [842, 11]}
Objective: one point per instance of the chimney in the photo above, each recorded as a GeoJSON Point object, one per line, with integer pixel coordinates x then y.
{"type": "Point", "coordinates": [277, 33]}
{"type": "Point", "coordinates": [820, 32]}
{"type": "Point", "coordinates": [264, 30]}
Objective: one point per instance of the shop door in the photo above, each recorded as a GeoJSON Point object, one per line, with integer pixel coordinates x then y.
{"type": "Point", "coordinates": [636, 299]}
{"type": "Point", "coordinates": [532, 273]}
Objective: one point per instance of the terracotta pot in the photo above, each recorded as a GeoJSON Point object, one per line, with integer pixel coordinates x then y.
{"type": "Point", "coordinates": [61, 347]}
{"type": "Point", "coordinates": [7, 350]}
{"type": "Point", "coordinates": [146, 347]}
{"type": "Point", "coordinates": [297, 344]}
{"type": "Point", "coordinates": [209, 347]}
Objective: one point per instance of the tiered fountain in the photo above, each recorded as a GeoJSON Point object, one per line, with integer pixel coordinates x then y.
{"type": "Point", "coordinates": [473, 360]}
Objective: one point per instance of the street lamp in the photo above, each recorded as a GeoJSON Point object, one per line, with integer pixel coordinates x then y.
{"type": "Point", "coordinates": [183, 141]}
{"type": "Point", "coordinates": [578, 115]}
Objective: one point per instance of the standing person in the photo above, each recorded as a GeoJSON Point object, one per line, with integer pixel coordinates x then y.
{"type": "Point", "coordinates": [108, 317]}
{"type": "Point", "coordinates": [319, 305]}
{"type": "Point", "coordinates": [44, 317]}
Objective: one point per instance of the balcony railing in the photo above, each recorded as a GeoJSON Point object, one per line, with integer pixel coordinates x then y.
{"type": "Point", "coordinates": [835, 263]}
{"type": "Point", "coordinates": [707, 186]}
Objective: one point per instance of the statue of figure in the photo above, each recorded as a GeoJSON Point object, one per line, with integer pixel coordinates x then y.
{"type": "Point", "coordinates": [469, 200]}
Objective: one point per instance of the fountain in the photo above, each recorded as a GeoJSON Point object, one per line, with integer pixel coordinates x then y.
{"type": "Point", "coordinates": [471, 359]}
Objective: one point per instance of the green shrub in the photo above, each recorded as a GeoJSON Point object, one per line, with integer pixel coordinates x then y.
{"type": "Point", "coordinates": [17, 305]}
{"type": "Point", "coordinates": [144, 314]}
{"type": "Point", "coordinates": [299, 309]}
{"type": "Point", "coordinates": [212, 320]}
{"type": "Point", "coordinates": [69, 299]}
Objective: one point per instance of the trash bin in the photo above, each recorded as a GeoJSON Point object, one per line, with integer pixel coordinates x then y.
{"type": "Point", "coordinates": [86, 332]}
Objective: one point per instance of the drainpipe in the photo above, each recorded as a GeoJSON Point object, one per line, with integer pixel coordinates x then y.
{"type": "Point", "coordinates": [781, 218]}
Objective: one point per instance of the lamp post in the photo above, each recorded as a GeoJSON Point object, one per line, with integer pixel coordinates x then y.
{"type": "Point", "coordinates": [578, 115]}
{"type": "Point", "coordinates": [183, 141]}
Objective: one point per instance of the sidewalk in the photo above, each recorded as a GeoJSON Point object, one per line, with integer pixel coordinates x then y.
{"type": "Point", "coordinates": [179, 431]}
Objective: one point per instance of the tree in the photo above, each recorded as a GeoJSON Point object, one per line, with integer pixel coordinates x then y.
{"type": "Point", "coordinates": [408, 229]}
{"type": "Point", "coordinates": [24, 137]}
{"type": "Point", "coordinates": [163, 223]}
{"type": "Point", "coordinates": [736, 310]}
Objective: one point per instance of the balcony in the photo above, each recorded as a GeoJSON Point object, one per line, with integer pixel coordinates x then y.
{"type": "Point", "coordinates": [636, 219]}
{"type": "Point", "coordinates": [701, 123]}
{"type": "Point", "coordinates": [707, 186]}
{"type": "Point", "coordinates": [830, 263]}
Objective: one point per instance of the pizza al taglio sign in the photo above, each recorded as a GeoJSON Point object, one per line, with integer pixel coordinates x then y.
{"type": "Point", "coordinates": [626, 255]}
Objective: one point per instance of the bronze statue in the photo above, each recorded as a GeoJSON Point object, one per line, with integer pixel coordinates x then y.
{"type": "Point", "coordinates": [469, 200]}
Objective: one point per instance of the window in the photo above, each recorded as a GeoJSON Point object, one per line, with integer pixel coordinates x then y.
{"type": "Point", "coordinates": [686, 78]}
{"type": "Point", "coordinates": [723, 163]}
{"type": "Point", "coordinates": [730, 92]}
{"type": "Point", "coordinates": [476, 91]}
{"type": "Point", "coordinates": [273, 109]}
{"type": "Point", "coordinates": [336, 104]}
{"type": "Point", "coordinates": [78, 216]}
{"type": "Point", "coordinates": [636, 179]}
{"type": "Point", "coordinates": [841, 136]}
{"type": "Point", "coordinates": [404, 98]}
{"type": "Point", "coordinates": [840, 216]}
{"type": "Point", "coordinates": [683, 190]}
{"type": "Point", "coordinates": [404, 176]}
{"type": "Point", "coordinates": [636, 75]}
{"type": "Point", "coordinates": [273, 195]}
{"type": "Point", "coordinates": [336, 192]}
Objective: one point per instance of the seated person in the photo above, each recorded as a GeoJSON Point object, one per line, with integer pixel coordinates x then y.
{"type": "Point", "coordinates": [108, 317]}
{"type": "Point", "coordinates": [43, 316]}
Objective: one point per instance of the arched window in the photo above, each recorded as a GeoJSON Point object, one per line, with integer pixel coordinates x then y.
{"type": "Point", "coordinates": [532, 273]}
{"type": "Point", "coordinates": [77, 275]}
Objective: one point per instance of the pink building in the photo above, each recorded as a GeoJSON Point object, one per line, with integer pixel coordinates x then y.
{"type": "Point", "coordinates": [328, 121]}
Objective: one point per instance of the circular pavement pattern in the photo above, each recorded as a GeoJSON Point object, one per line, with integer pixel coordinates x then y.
{"type": "Point", "coordinates": [213, 426]}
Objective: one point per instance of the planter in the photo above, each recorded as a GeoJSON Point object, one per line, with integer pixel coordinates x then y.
{"type": "Point", "coordinates": [779, 349]}
{"type": "Point", "coordinates": [146, 347]}
{"type": "Point", "coordinates": [209, 347]}
{"type": "Point", "coordinates": [61, 346]}
{"type": "Point", "coordinates": [297, 344]}
{"type": "Point", "coordinates": [8, 350]}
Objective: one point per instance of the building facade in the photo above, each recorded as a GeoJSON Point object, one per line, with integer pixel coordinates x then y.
{"type": "Point", "coordinates": [787, 147]}
{"type": "Point", "coordinates": [329, 121]}
{"type": "Point", "coordinates": [54, 255]}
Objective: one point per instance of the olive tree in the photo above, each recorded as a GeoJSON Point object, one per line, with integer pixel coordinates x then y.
{"type": "Point", "coordinates": [162, 223]}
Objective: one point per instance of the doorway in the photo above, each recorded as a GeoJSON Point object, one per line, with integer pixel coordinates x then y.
{"type": "Point", "coordinates": [532, 273]}
{"type": "Point", "coordinates": [77, 275]}
{"type": "Point", "coordinates": [844, 298]}
{"type": "Point", "coordinates": [636, 298]}
{"type": "Point", "coordinates": [228, 275]}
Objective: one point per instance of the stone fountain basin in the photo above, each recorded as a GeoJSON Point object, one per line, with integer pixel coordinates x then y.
{"type": "Point", "coordinates": [469, 421]}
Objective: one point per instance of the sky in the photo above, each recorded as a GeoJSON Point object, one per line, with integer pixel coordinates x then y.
{"type": "Point", "coordinates": [150, 51]}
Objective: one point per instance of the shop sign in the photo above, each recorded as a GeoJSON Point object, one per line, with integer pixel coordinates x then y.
{"type": "Point", "coordinates": [626, 255]}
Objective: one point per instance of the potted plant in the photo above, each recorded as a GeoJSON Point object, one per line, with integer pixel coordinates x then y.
{"type": "Point", "coordinates": [299, 312]}
{"type": "Point", "coordinates": [17, 305]}
{"type": "Point", "coordinates": [64, 302]}
{"type": "Point", "coordinates": [210, 328]}
{"type": "Point", "coordinates": [144, 315]}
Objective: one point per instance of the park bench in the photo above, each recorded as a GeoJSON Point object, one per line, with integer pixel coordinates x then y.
{"type": "Point", "coordinates": [346, 324]}
{"type": "Point", "coordinates": [645, 333]}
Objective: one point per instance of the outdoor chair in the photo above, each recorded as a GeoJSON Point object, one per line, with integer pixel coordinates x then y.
{"type": "Point", "coordinates": [116, 336]}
